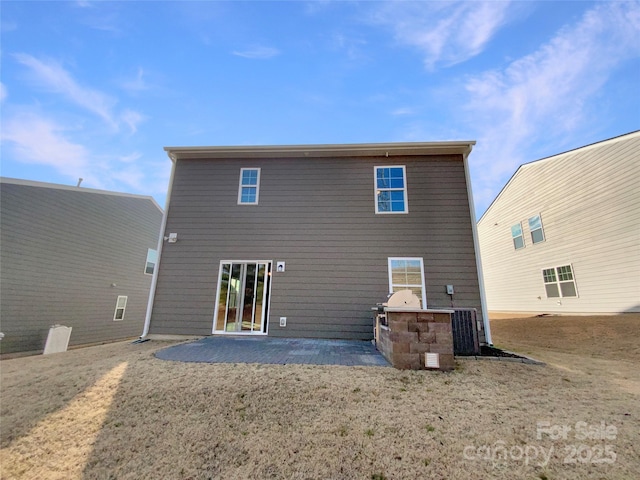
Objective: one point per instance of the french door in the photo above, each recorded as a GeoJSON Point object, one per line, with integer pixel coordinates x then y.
{"type": "Point", "coordinates": [243, 297]}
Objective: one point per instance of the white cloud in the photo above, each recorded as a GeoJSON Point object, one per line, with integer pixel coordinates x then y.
{"type": "Point", "coordinates": [402, 111]}
{"type": "Point", "coordinates": [3, 92]}
{"type": "Point", "coordinates": [132, 119]}
{"type": "Point", "coordinates": [137, 84]}
{"type": "Point", "coordinates": [546, 95]}
{"type": "Point", "coordinates": [446, 32]}
{"type": "Point", "coordinates": [132, 176]}
{"type": "Point", "coordinates": [31, 138]}
{"type": "Point", "coordinates": [38, 140]}
{"type": "Point", "coordinates": [52, 76]}
{"type": "Point", "coordinates": [130, 158]}
{"type": "Point", "coordinates": [258, 52]}
{"type": "Point", "coordinates": [352, 46]}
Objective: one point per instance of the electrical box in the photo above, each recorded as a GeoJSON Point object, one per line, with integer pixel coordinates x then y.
{"type": "Point", "coordinates": [449, 289]}
{"type": "Point", "coordinates": [283, 321]}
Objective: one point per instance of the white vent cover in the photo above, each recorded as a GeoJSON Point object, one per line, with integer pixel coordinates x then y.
{"type": "Point", "coordinates": [432, 360]}
{"type": "Point", "coordinates": [403, 298]}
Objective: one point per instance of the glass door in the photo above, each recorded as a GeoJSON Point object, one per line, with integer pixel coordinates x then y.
{"type": "Point", "coordinates": [242, 297]}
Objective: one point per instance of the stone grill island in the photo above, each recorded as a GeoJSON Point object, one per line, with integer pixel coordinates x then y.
{"type": "Point", "coordinates": [413, 338]}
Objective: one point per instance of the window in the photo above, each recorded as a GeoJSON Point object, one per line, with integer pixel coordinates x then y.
{"type": "Point", "coordinates": [391, 190]}
{"type": "Point", "coordinates": [152, 259]}
{"type": "Point", "coordinates": [516, 235]}
{"type": "Point", "coordinates": [535, 227]}
{"type": "Point", "coordinates": [121, 305]}
{"type": "Point", "coordinates": [559, 282]}
{"type": "Point", "coordinates": [408, 273]}
{"type": "Point", "coordinates": [249, 186]}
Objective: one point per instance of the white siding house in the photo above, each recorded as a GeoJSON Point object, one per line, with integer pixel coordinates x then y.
{"type": "Point", "coordinates": [563, 236]}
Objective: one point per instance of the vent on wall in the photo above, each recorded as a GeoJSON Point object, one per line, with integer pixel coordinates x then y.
{"type": "Point", "coordinates": [432, 360]}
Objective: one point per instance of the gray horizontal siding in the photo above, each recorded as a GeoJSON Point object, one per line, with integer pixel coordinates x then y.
{"type": "Point", "coordinates": [317, 215]}
{"type": "Point", "coordinates": [61, 250]}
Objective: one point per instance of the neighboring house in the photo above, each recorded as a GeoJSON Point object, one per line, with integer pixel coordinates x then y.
{"type": "Point", "coordinates": [304, 240]}
{"type": "Point", "coordinates": [563, 236]}
{"type": "Point", "coordinates": [73, 256]}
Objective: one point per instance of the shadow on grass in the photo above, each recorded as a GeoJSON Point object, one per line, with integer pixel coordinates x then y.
{"type": "Point", "coordinates": [36, 387]}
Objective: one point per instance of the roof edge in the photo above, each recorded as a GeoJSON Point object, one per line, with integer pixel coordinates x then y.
{"type": "Point", "coordinates": [322, 150]}
{"type": "Point", "coordinates": [58, 186]}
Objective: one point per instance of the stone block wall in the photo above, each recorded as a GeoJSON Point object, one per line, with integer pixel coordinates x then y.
{"type": "Point", "coordinates": [411, 334]}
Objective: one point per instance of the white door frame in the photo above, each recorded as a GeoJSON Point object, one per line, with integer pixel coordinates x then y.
{"type": "Point", "coordinates": [266, 297]}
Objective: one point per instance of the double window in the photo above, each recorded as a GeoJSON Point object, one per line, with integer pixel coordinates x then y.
{"type": "Point", "coordinates": [391, 189]}
{"type": "Point", "coordinates": [559, 282]}
{"type": "Point", "coordinates": [535, 229]}
{"type": "Point", "coordinates": [408, 273]}
{"type": "Point", "coordinates": [249, 188]}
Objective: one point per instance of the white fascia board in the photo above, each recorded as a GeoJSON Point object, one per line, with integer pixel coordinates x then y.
{"type": "Point", "coordinates": [319, 151]}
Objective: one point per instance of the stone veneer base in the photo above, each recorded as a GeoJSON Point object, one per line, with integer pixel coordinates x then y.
{"type": "Point", "coordinates": [412, 333]}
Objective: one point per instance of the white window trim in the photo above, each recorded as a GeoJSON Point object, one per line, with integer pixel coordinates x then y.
{"type": "Point", "coordinates": [404, 189]}
{"type": "Point", "coordinates": [544, 237]}
{"type": "Point", "coordinates": [558, 281]}
{"type": "Point", "coordinates": [240, 202]}
{"type": "Point", "coordinates": [123, 308]}
{"type": "Point", "coordinates": [155, 264]}
{"type": "Point", "coordinates": [423, 286]}
{"type": "Point", "coordinates": [524, 243]}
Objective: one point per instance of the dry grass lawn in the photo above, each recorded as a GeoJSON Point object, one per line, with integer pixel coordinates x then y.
{"type": "Point", "coordinates": [117, 412]}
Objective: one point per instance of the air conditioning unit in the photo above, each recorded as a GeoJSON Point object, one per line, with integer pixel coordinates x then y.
{"type": "Point", "coordinates": [464, 326]}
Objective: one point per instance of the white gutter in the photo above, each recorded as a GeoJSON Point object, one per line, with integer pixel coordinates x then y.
{"type": "Point", "coordinates": [476, 245]}
{"type": "Point", "coordinates": [154, 279]}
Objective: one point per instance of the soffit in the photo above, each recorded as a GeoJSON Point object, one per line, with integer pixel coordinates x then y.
{"type": "Point", "coordinates": [322, 151]}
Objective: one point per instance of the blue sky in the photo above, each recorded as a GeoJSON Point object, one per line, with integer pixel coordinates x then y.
{"type": "Point", "coordinates": [97, 89]}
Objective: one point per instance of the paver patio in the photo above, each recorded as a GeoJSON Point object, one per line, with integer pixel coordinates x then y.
{"type": "Point", "coordinates": [245, 349]}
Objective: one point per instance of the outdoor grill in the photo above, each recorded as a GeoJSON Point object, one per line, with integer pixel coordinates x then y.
{"type": "Point", "coordinates": [399, 299]}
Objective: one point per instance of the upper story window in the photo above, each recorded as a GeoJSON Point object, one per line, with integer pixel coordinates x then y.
{"type": "Point", "coordinates": [249, 188]}
{"type": "Point", "coordinates": [559, 282]}
{"type": "Point", "coordinates": [516, 235]}
{"type": "Point", "coordinates": [152, 259]}
{"type": "Point", "coordinates": [391, 189]}
{"type": "Point", "coordinates": [408, 273]}
{"type": "Point", "coordinates": [535, 227]}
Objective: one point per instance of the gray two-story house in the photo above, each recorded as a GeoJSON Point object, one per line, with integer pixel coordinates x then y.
{"type": "Point", "coordinates": [73, 256]}
{"type": "Point", "coordinates": [303, 240]}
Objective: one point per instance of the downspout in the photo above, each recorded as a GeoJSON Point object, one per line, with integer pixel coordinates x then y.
{"type": "Point", "coordinates": [154, 279]}
{"type": "Point", "coordinates": [476, 245]}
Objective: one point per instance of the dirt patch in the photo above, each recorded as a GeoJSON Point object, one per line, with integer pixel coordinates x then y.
{"type": "Point", "coordinates": [116, 411]}
{"type": "Point", "coordinates": [611, 337]}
